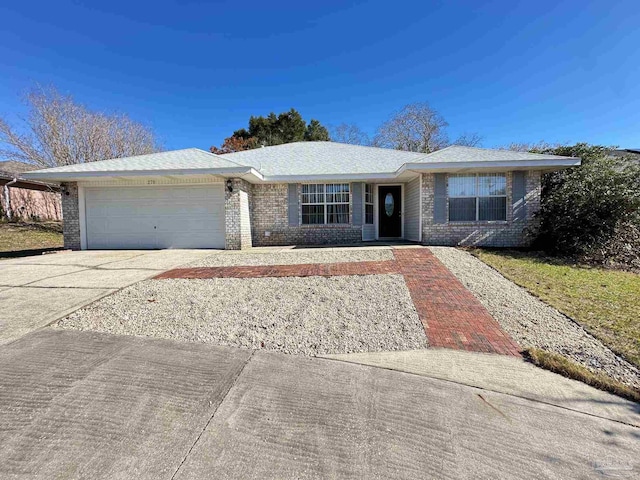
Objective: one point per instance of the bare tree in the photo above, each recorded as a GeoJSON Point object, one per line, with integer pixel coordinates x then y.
{"type": "Point", "coordinates": [419, 128]}
{"type": "Point", "coordinates": [352, 134]}
{"type": "Point", "coordinates": [58, 131]}
{"type": "Point", "coordinates": [537, 147]}
{"type": "Point", "coordinates": [415, 128]}
{"type": "Point", "coordinates": [469, 140]}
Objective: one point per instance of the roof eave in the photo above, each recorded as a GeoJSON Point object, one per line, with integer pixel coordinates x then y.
{"type": "Point", "coordinates": [543, 164]}
{"type": "Point", "coordinates": [20, 182]}
{"type": "Point", "coordinates": [253, 176]}
{"type": "Point", "coordinates": [329, 177]}
{"type": "Point", "coordinates": [79, 176]}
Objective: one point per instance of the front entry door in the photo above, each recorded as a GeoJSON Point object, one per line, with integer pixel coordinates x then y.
{"type": "Point", "coordinates": [389, 211]}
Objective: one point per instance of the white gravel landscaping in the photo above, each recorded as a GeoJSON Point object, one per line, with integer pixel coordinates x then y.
{"type": "Point", "coordinates": [292, 257]}
{"type": "Point", "coordinates": [531, 322]}
{"type": "Point", "coordinates": [308, 315]}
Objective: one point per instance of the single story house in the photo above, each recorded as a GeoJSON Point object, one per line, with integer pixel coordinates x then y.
{"type": "Point", "coordinates": [631, 154]}
{"type": "Point", "coordinates": [306, 193]}
{"type": "Point", "coordinates": [27, 199]}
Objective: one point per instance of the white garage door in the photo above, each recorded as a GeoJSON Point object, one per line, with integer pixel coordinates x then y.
{"type": "Point", "coordinates": [155, 217]}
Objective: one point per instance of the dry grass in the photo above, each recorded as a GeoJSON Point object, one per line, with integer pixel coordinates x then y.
{"type": "Point", "coordinates": [567, 368]}
{"type": "Point", "coordinates": [27, 237]}
{"type": "Point", "coordinates": [605, 302]}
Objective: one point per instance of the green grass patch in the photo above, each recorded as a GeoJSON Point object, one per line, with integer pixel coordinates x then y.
{"type": "Point", "coordinates": [567, 368]}
{"type": "Point", "coordinates": [22, 237]}
{"type": "Point", "coordinates": [606, 302]}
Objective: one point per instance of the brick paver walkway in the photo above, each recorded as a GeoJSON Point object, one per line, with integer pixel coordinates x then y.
{"type": "Point", "coordinates": [452, 317]}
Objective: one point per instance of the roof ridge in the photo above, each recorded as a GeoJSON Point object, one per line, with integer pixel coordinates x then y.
{"type": "Point", "coordinates": [151, 158]}
{"type": "Point", "coordinates": [424, 155]}
{"type": "Point", "coordinates": [502, 150]}
{"type": "Point", "coordinates": [220, 156]}
{"type": "Point", "coordinates": [146, 154]}
{"type": "Point", "coordinates": [269, 146]}
{"type": "Point", "coordinates": [372, 146]}
{"type": "Point", "coordinates": [305, 142]}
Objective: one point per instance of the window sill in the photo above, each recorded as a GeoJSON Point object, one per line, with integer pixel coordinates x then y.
{"type": "Point", "coordinates": [326, 225]}
{"type": "Point", "coordinates": [479, 222]}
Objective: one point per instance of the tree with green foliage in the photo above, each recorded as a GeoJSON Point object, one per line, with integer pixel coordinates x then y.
{"type": "Point", "coordinates": [593, 210]}
{"type": "Point", "coordinates": [316, 132]}
{"type": "Point", "coordinates": [287, 127]}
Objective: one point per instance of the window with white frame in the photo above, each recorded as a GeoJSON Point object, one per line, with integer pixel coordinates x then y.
{"type": "Point", "coordinates": [477, 197]}
{"type": "Point", "coordinates": [325, 203]}
{"type": "Point", "coordinates": [368, 204]}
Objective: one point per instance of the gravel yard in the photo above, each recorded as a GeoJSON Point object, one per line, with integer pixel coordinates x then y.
{"type": "Point", "coordinates": [310, 315]}
{"type": "Point", "coordinates": [292, 257]}
{"type": "Point", "coordinates": [531, 322]}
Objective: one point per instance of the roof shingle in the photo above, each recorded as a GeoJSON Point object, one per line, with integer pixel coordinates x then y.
{"type": "Point", "coordinates": [189, 158]}
{"type": "Point", "coordinates": [457, 153]}
{"type": "Point", "coordinates": [302, 159]}
{"type": "Point", "coordinates": [319, 158]}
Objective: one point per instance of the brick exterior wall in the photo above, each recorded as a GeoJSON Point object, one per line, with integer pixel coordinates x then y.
{"type": "Point", "coordinates": [71, 216]}
{"type": "Point", "coordinates": [487, 234]}
{"type": "Point", "coordinates": [257, 215]}
{"type": "Point", "coordinates": [237, 217]}
{"type": "Point", "coordinates": [270, 214]}
{"type": "Point", "coordinates": [533, 182]}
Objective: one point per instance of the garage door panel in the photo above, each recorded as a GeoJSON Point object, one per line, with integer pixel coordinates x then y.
{"type": "Point", "coordinates": [121, 208]}
{"type": "Point", "coordinates": [179, 241]}
{"type": "Point", "coordinates": [98, 226]}
{"type": "Point", "coordinates": [149, 209]}
{"type": "Point", "coordinates": [155, 217]}
{"type": "Point", "coordinates": [95, 210]}
{"type": "Point", "coordinates": [181, 223]}
{"type": "Point", "coordinates": [190, 210]}
{"type": "Point", "coordinates": [124, 241]}
{"type": "Point", "coordinates": [130, 225]}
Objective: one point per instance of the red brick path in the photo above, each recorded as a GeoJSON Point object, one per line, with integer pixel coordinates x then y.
{"type": "Point", "coordinates": [451, 315]}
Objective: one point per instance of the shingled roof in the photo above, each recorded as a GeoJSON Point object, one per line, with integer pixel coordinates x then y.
{"type": "Point", "coordinates": [304, 159]}
{"type": "Point", "coordinates": [317, 158]}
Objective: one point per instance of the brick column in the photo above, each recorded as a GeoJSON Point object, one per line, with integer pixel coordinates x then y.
{"type": "Point", "coordinates": [533, 192]}
{"type": "Point", "coordinates": [71, 216]}
{"type": "Point", "coordinates": [237, 217]}
{"type": "Point", "coordinates": [427, 194]}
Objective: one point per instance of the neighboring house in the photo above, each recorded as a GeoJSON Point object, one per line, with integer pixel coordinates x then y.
{"type": "Point", "coordinates": [631, 154]}
{"type": "Point", "coordinates": [308, 193]}
{"type": "Point", "coordinates": [27, 199]}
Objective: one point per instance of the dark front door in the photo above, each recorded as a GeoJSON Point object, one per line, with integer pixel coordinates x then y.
{"type": "Point", "coordinates": [389, 211]}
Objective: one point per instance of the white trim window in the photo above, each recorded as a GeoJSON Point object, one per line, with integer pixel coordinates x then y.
{"type": "Point", "coordinates": [325, 203]}
{"type": "Point", "coordinates": [368, 204]}
{"type": "Point", "coordinates": [477, 197]}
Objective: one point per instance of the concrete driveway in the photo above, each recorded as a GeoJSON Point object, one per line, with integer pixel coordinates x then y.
{"type": "Point", "coordinates": [78, 404]}
{"type": "Point", "coordinates": [35, 291]}
{"type": "Point", "coordinates": [90, 405]}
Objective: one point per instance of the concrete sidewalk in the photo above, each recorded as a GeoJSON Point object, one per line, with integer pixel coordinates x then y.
{"type": "Point", "coordinates": [504, 374]}
{"type": "Point", "coordinates": [35, 291]}
{"type": "Point", "coordinates": [88, 405]}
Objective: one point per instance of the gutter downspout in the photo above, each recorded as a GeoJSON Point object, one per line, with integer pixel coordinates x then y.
{"type": "Point", "coordinates": [7, 198]}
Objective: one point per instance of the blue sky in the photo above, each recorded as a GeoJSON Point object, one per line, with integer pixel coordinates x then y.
{"type": "Point", "coordinates": [195, 71]}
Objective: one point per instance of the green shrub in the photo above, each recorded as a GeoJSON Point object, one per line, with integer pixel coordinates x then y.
{"type": "Point", "coordinates": [591, 211]}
